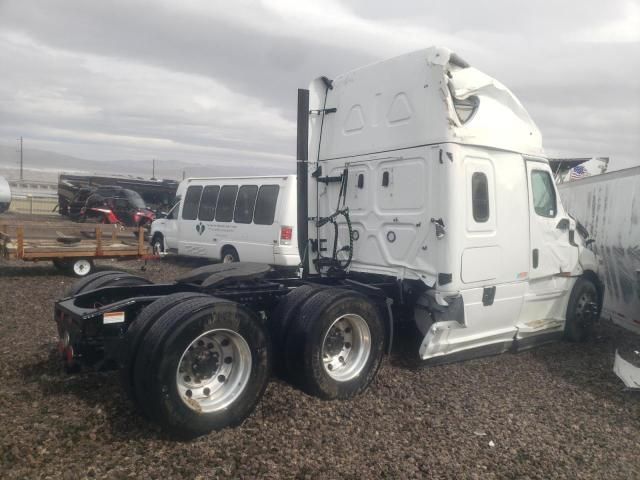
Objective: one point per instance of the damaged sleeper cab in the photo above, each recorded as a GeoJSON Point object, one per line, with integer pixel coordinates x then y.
{"type": "Point", "coordinates": [424, 198]}
{"type": "Point", "coordinates": [448, 192]}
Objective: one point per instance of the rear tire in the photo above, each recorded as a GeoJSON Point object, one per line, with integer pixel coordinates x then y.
{"type": "Point", "coordinates": [285, 315]}
{"type": "Point", "coordinates": [174, 343]}
{"type": "Point", "coordinates": [582, 311]}
{"type": "Point", "coordinates": [335, 348]}
{"type": "Point", "coordinates": [136, 332]}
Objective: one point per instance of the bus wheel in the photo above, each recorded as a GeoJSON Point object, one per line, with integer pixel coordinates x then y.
{"type": "Point", "coordinates": [157, 244]}
{"type": "Point", "coordinates": [202, 366]}
{"type": "Point", "coordinates": [336, 346]}
{"type": "Point", "coordinates": [229, 255]}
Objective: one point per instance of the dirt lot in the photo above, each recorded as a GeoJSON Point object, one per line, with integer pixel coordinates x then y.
{"type": "Point", "coordinates": [554, 412]}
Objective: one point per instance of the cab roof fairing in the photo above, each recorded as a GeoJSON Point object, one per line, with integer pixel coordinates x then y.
{"type": "Point", "coordinates": [500, 120]}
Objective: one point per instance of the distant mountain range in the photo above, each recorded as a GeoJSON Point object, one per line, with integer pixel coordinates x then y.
{"type": "Point", "coordinates": [44, 165]}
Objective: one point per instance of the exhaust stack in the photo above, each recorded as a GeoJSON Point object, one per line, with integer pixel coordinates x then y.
{"type": "Point", "coordinates": [302, 171]}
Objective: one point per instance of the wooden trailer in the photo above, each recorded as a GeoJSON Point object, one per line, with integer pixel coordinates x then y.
{"type": "Point", "coordinates": [71, 248]}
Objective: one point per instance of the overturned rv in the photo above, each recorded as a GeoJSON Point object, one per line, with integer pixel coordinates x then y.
{"type": "Point", "coordinates": [424, 199]}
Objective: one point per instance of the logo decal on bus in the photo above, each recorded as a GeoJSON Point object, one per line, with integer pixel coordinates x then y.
{"type": "Point", "coordinates": [200, 228]}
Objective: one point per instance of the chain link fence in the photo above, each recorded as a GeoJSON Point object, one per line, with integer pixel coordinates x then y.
{"type": "Point", "coordinates": [34, 204]}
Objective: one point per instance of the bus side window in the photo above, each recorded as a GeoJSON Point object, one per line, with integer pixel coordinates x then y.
{"type": "Point", "coordinates": [173, 213]}
{"type": "Point", "coordinates": [245, 204]}
{"type": "Point", "coordinates": [265, 210]}
{"type": "Point", "coordinates": [226, 202]}
{"type": "Point", "coordinates": [191, 202]}
{"type": "Point", "coordinates": [208, 203]}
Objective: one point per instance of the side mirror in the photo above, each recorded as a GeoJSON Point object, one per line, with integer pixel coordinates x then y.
{"type": "Point", "coordinates": [563, 224]}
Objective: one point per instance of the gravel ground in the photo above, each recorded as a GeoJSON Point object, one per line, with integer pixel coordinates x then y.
{"type": "Point", "coordinates": [554, 412]}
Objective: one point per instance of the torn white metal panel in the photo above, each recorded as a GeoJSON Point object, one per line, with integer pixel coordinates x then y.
{"type": "Point", "coordinates": [627, 372]}
{"type": "Point", "coordinates": [500, 120]}
{"type": "Point", "coordinates": [608, 205]}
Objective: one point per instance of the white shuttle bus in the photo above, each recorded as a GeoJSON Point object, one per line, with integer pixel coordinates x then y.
{"type": "Point", "coordinates": [249, 219]}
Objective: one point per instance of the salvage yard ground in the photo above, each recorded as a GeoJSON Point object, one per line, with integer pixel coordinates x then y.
{"type": "Point", "coordinates": [554, 412]}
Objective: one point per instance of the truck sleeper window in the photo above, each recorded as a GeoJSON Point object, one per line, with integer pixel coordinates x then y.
{"type": "Point", "coordinates": [480, 197]}
{"type": "Point", "coordinates": [265, 210]}
{"type": "Point", "coordinates": [191, 202]}
{"type": "Point", "coordinates": [226, 202]}
{"type": "Point", "coordinates": [208, 203]}
{"type": "Point", "coordinates": [544, 195]}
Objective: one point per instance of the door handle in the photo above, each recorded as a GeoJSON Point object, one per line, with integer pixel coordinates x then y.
{"type": "Point", "coordinates": [535, 257]}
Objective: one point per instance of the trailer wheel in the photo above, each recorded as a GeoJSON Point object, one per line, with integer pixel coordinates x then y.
{"type": "Point", "coordinates": [81, 267]}
{"type": "Point", "coordinates": [138, 329]}
{"type": "Point", "coordinates": [336, 347]}
{"type": "Point", "coordinates": [202, 366]}
{"type": "Point", "coordinates": [104, 279]}
{"type": "Point", "coordinates": [283, 316]}
{"type": "Point", "coordinates": [582, 311]}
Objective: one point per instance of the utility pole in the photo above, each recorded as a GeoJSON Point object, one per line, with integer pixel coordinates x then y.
{"type": "Point", "coordinates": [153, 172]}
{"type": "Point", "coordinates": [21, 177]}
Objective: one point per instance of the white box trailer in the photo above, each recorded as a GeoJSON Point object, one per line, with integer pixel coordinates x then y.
{"type": "Point", "coordinates": [608, 206]}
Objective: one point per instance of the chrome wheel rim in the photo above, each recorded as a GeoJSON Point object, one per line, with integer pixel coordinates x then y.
{"type": "Point", "coordinates": [346, 347]}
{"type": "Point", "coordinates": [214, 370]}
{"type": "Point", "coordinates": [228, 258]}
{"type": "Point", "coordinates": [81, 267]}
{"type": "Point", "coordinates": [157, 247]}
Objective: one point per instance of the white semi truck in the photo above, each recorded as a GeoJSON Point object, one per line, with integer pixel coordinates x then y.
{"type": "Point", "coordinates": [424, 198]}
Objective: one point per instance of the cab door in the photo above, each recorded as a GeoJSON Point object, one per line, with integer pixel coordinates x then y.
{"type": "Point", "coordinates": [550, 256]}
{"type": "Point", "coordinates": [547, 257]}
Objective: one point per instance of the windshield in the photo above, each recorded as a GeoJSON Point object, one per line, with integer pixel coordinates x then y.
{"type": "Point", "coordinates": [134, 198]}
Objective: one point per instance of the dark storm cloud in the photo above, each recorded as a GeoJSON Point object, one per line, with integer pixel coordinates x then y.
{"type": "Point", "coordinates": [205, 80]}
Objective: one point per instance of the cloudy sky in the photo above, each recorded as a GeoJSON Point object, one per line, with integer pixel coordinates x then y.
{"type": "Point", "coordinates": [215, 81]}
